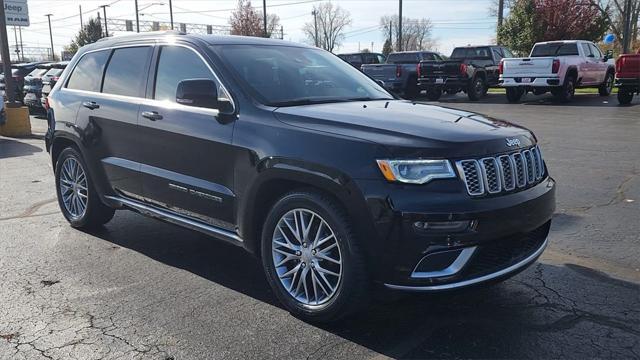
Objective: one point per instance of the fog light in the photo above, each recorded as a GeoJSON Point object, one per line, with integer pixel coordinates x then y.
{"type": "Point", "coordinates": [443, 226]}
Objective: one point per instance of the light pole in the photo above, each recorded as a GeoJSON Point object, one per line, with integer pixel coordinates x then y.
{"type": "Point", "coordinates": [264, 16]}
{"type": "Point", "coordinates": [137, 18]}
{"type": "Point", "coordinates": [104, 11]}
{"type": "Point", "coordinates": [171, 13]}
{"type": "Point", "coordinates": [6, 57]}
{"type": "Point", "coordinates": [51, 36]}
{"type": "Point", "coordinates": [400, 26]}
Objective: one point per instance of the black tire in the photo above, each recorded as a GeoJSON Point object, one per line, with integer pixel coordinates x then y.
{"type": "Point", "coordinates": [607, 86]}
{"type": "Point", "coordinates": [96, 213]}
{"type": "Point", "coordinates": [567, 91]}
{"type": "Point", "coordinates": [625, 96]}
{"type": "Point", "coordinates": [351, 290]}
{"type": "Point", "coordinates": [412, 91]}
{"type": "Point", "coordinates": [476, 88]}
{"type": "Point", "coordinates": [514, 94]}
{"type": "Point", "coordinates": [434, 93]}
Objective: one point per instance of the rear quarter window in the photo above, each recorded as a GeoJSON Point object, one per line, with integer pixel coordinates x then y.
{"type": "Point", "coordinates": [87, 75]}
{"type": "Point", "coordinates": [555, 49]}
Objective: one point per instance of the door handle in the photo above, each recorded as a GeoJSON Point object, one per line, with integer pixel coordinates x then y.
{"type": "Point", "coordinates": [90, 105]}
{"type": "Point", "coordinates": [151, 115]}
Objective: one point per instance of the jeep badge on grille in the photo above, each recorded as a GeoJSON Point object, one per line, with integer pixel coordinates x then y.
{"type": "Point", "coordinates": [513, 142]}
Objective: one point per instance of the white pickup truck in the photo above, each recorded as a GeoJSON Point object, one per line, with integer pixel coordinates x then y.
{"type": "Point", "coordinates": [559, 67]}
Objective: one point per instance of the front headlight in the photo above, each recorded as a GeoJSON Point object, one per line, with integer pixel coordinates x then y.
{"type": "Point", "coordinates": [416, 171]}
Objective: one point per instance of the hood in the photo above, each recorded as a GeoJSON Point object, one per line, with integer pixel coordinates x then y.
{"type": "Point", "coordinates": [411, 130]}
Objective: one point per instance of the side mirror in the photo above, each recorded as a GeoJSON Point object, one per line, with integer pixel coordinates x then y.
{"type": "Point", "coordinates": [608, 55]}
{"type": "Point", "coordinates": [198, 93]}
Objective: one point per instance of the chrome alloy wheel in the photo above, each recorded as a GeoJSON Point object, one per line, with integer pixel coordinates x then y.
{"type": "Point", "coordinates": [73, 187]}
{"type": "Point", "coordinates": [307, 257]}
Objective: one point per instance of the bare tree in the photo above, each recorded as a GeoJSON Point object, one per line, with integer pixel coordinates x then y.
{"type": "Point", "coordinates": [416, 33]}
{"type": "Point", "coordinates": [331, 23]}
{"type": "Point", "coordinates": [245, 20]}
{"type": "Point", "coordinates": [614, 11]}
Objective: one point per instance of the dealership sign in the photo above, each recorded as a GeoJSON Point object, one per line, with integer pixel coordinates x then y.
{"type": "Point", "coordinates": [16, 12]}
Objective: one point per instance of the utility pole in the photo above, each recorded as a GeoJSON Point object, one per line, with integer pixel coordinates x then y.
{"type": "Point", "coordinates": [171, 13]}
{"type": "Point", "coordinates": [391, 34]}
{"type": "Point", "coordinates": [264, 16]}
{"type": "Point", "coordinates": [281, 32]}
{"type": "Point", "coordinates": [137, 17]}
{"type": "Point", "coordinates": [104, 11]}
{"type": "Point", "coordinates": [81, 24]}
{"type": "Point", "coordinates": [51, 36]}
{"type": "Point", "coordinates": [10, 93]}
{"type": "Point", "coordinates": [400, 26]}
{"type": "Point", "coordinates": [500, 18]}
{"type": "Point", "coordinates": [315, 25]}
{"type": "Point", "coordinates": [21, 44]}
{"type": "Point", "coordinates": [626, 40]}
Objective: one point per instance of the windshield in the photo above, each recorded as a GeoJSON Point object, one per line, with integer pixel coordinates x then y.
{"type": "Point", "coordinates": [554, 49]}
{"type": "Point", "coordinates": [471, 53]}
{"type": "Point", "coordinates": [289, 76]}
{"type": "Point", "coordinates": [54, 72]}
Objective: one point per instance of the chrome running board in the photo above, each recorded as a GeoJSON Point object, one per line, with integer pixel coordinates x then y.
{"type": "Point", "coordinates": [168, 216]}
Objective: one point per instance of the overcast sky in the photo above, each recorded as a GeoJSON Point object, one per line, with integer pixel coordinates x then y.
{"type": "Point", "coordinates": [456, 22]}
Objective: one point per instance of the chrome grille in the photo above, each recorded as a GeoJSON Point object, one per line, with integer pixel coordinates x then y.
{"type": "Point", "coordinates": [503, 173]}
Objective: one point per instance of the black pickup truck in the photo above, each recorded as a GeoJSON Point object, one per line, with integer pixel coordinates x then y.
{"type": "Point", "coordinates": [399, 72]}
{"type": "Point", "coordinates": [472, 69]}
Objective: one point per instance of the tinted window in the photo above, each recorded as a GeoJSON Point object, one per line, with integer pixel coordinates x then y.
{"type": "Point", "coordinates": [507, 53]}
{"type": "Point", "coordinates": [127, 71]}
{"type": "Point", "coordinates": [497, 54]}
{"type": "Point", "coordinates": [176, 64]}
{"type": "Point", "coordinates": [403, 58]}
{"type": "Point", "coordinates": [381, 59]}
{"type": "Point", "coordinates": [555, 49]}
{"type": "Point", "coordinates": [87, 75]}
{"type": "Point", "coordinates": [351, 58]}
{"type": "Point", "coordinates": [370, 58]}
{"type": "Point", "coordinates": [429, 56]}
{"type": "Point", "coordinates": [471, 53]}
{"type": "Point", "coordinates": [290, 76]}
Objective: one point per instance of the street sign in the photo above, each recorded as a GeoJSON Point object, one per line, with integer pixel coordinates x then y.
{"type": "Point", "coordinates": [16, 12]}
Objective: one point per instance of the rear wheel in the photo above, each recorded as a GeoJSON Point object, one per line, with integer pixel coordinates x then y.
{"type": "Point", "coordinates": [476, 88]}
{"type": "Point", "coordinates": [607, 86]}
{"type": "Point", "coordinates": [311, 258]}
{"type": "Point", "coordinates": [514, 94]}
{"type": "Point", "coordinates": [77, 197]}
{"type": "Point", "coordinates": [434, 93]}
{"type": "Point", "coordinates": [567, 91]}
{"type": "Point", "coordinates": [625, 96]}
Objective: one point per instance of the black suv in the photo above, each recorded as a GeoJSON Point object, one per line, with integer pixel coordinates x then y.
{"type": "Point", "coordinates": [294, 155]}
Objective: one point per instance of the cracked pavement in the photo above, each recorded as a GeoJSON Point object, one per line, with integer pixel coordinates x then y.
{"type": "Point", "coordinates": [143, 289]}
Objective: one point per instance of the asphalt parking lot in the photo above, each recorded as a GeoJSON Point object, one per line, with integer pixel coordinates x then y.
{"type": "Point", "coordinates": [140, 288]}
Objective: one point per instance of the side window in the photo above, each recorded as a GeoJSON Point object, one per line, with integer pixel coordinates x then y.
{"type": "Point", "coordinates": [381, 59]}
{"type": "Point", "coordinates": [586, 49]}
{"type": "Point", "coordinates": [87, 75]}
{"type": "Point", "coordinates": [595, 51]}
{"type": "Point", "coordinates": [368, 59]}
{"type": "Point", "coordinates": [428, 56]}
{"type": "Point", "coordinates": [177, 63]}
{"type": "Point", "coordinates": [507, 53]}
{"type": "Point", "coordinates": [127, 71]}
{"type": "Point", "coordinates": [497, 54]}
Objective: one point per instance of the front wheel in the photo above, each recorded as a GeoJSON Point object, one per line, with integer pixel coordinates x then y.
{"type": "Point", "coordinates": [77, 197]}
{"type": "Point", "coordinates": [625, 96]}
{"type": "Point", "coordinates": [311, 258]}
{"type": "Point", "coordinates": [607, 86]}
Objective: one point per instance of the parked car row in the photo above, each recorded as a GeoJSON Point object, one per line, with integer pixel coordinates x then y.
{"type": "Point", "coordinates": [559, 67]}
{"type": "Point", "coordinates": [33, 82]}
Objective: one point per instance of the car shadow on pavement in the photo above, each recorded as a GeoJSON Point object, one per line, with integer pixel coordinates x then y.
{"type": "Point", "coordinates": [12, 148]}
{"type": "Point", "coordinates": [547, 311]}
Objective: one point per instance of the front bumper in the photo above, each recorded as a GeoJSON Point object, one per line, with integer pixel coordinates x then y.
{"type": "Point", "coordinates": [504, 234]}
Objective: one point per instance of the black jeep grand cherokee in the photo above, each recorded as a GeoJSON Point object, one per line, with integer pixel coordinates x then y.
{"type": "Point", "coordinates": [296, 156]}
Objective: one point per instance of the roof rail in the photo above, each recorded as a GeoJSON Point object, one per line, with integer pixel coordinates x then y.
{"type": "Point", "coordinates": [146, 33]}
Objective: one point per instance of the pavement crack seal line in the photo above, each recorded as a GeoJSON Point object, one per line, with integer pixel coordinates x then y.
{"type": "Point", "coordinates": [30, 210]}
{"type": "Point", "coordinates": [618, 197]}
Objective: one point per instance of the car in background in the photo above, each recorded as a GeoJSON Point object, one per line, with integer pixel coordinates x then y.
{"type": "Point", "coordinates": [358, 59]}
{"type": "Point", "coordinates": [18, 72]}
{"type": "Point", "coordinates": [628, 77]}
{"type": "Point", "coordinates": [471, 69]}
{"type": "Point", "coordinates": [49, 80]}
{"type": "Point", "coordinates": [32, 88]}
{"type": "Point", "coordinates": [559, 67]}
{"type": "Point", "coordinates": [399, 73]}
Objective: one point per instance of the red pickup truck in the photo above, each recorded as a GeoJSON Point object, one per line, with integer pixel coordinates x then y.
{"type": "Point", "coordinates": [628, 77]}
